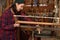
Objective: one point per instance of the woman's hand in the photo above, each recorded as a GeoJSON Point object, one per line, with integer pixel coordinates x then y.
{"type": "Point", "coordinates": [16, 25]}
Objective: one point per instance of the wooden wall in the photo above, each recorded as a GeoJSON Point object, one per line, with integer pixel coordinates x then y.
{"type": "Point", "coordinates": [4, 4]}
{"type": "Point", "coordinates": [9, 2]}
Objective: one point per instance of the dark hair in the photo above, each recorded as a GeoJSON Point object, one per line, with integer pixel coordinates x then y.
{"type": "Point", "coordinates": [14, 9]}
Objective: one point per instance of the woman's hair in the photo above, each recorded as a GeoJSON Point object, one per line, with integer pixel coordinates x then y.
{"type": "Point", "coordinates": [14, 9]}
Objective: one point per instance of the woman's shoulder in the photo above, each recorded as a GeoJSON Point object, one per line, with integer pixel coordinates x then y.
{"type": "Point", "coordinates": [8, 7]}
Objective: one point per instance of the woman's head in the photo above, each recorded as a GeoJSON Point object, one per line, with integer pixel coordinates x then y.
{"type": "Point", "coordinates": [19, 4]}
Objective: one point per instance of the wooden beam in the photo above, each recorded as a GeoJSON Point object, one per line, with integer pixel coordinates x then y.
{"type": "Point", "coordinates": [40, 23]}
{"type": "Point", "coordinates": [36, 16]}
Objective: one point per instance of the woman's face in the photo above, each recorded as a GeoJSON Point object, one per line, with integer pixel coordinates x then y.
{"type": "Point", "coordinates": [19, 6]}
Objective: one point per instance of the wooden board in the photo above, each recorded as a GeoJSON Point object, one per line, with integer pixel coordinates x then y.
{"type": "Point", "coordinates": [40, 23]}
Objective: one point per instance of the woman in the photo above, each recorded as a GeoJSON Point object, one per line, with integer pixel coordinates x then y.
{"type": "Point", "coordinates": [8, 21]}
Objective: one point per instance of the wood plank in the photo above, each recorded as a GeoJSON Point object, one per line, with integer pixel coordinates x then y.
{"type": "Point", "coordinates": [40, 23]}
